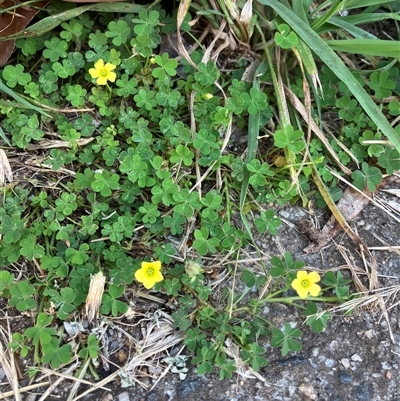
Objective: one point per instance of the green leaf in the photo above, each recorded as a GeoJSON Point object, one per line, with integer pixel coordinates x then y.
{"type": "Point", "coordinates": [118, 31]}
{"type": "Point", "coordinates": [14, 75]}
{"type": "Point", "coordinates": [390, 160]}
{"type": "Point", "coordinates": [381, 84]}
{"type": "Point", "coordinates": [92, 349]}
{"type": "Point", "coordinates": [285, 38]}
{"type": "Point", "coordinates": [56, 355]}
{"type": "Point", "coordinates": [248, 278]}
{"type": "Point", "coordinates": [286, 339]}
{"type": "Point", "coordinates": [55, 49]}
{"type": "Point", "coordinates": [368, 177]}
{"type": "Point", "coordinates": [207, 74]}
{"type": "Point", "coordinates": [290, 138]}
{"type": "Point", "coordinates": [30, 249]}
{"type": "Point", "coordinates": [267, 222]}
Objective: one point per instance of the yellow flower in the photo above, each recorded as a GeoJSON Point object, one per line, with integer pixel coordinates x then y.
{"type": "Point", "coordinates": [103, 73]}
{"type": "Point", "coordinates": [207, 96]}
{"type": "Point", "coordinates": [305, 283]}
{"type": "Point", "coordinates": [149, 274]}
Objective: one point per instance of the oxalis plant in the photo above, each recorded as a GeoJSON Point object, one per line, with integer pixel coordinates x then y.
{"type": "Point", "coordinates": [125, 164]}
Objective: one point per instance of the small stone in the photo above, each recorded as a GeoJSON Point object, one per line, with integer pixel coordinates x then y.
{"type": "Point", "coordinates": [284, 214]}
{"type": "Point", "coordinates": [123, 396]}
{"type": "Point", "coordinates": [345, 362]}
{"type": "Point", "coordinates": [364, 391]}
{"type": "Point", "coordinates": [329, 363]}
{"type": "Point", "coordinates": [344, 377]}
{"type": "Point", "coordinates": [385, 365]}
{"type": "Point", "coordinates": [356, 358]}
{"type": "Point", "coordinates": [308, 391]}
{"type": "Point", "coordinates": [388, 374]}
{"type": "Point", "coordinates": [122, 355]}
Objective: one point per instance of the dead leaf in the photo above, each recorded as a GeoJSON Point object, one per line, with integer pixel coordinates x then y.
{"type": "Point", "coordinates": [350, 206]}
{"type": "Point", "coordinates": [11, 23]}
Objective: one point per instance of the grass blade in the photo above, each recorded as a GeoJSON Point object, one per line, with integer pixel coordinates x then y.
{"type": "Point", "coordinates": [49, 23]}
{"type": "Point", "coordinates": [19, 99]}
{"type": "Point", "coordinates": [367, 47]}
{"type": "Point", "coordinates": [329, 57]}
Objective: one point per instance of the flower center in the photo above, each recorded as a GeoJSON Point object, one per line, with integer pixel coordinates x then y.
{"type": "Point", "coordinates": [150, 271]}
{"type": "Point", "coordinates": [304, 283]}
{"type": "Point", "coordinates": [103, 73]}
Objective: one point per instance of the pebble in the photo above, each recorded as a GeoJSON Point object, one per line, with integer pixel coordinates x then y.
{"type": "Point", "coordinates": [152, 397]}
{"type": "Point", "coordinates": [308, 391]}
{"type": "Point", "coordinates": [364, 392]}
{"type": "Point", "coordinates": [356, 358]}
{"type": "Point", "coordinates": [345, 362]}
{"type": "Point", "coordinates": [329, 363]}
{"type": "Point", "coordinates": [284, 214]}
{"type": "Point", "coordinates": [123, 396]}
{"type": "Point", "coordinates": [188, 386]}
{"type": "Point", "coordinates": [344, 377]}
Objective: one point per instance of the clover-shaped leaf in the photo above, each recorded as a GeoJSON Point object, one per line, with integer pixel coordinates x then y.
{"type": "Point", "coordinates": [14, 75]}
{"type": "Point", "coordinates": [369, 177]}
{"type": "Point", "coordinates": [119, 31]}
{"type": "Point", "coordinates": [285, 38]}
{"type": "Point", "coordinates": [105, 183]}
{"type": "Point", "coordinates": [290, 138]}
{"type": "Point", "coordinates": [207, 74]}
{"type": "Point", "coordinates": [55, 49]}
{"type": "Point", "coordinates": [381, 83]}
{"type": "Point", "coordinates": [254, 102]}
{"type": "Point", "coordinates": [390, 160]}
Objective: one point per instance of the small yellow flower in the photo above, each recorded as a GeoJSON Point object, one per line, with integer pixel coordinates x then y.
{"type": "Point", "coordinates": [305, 283]}
{"type": "Point", "coordinates": [207, 96]}
{"type": "Point", "coordinates": [103, 73]}
{"type": "Point", "coordinates": [149, 274]}
{"type": "Point", "coordinates": [152, 60]}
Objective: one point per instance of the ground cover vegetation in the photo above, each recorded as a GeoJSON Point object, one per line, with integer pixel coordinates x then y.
{"type": "Point", "coordinates": [125, 161]}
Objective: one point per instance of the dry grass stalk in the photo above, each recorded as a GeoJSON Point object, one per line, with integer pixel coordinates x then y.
{"type": "Point", "coordinates": [360, 287]}
{"type": "Point", "coordinates": [7, 360]}
{"type": "Point", "coordinates": [5, 168]}
{"type": "Point", "coordinates": [51, 388]}
{"type": "Point", "coordinates": [159, 338]}
{"type": "Point", "coordinates": [9, 394]}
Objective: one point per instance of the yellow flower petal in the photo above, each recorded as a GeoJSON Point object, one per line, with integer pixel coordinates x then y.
{"type": "Point", "coordinates": [141, 275]}
{"type": "Point", "coordinates": [302, 275]}
{"type": "Point", "coordinates": [94, 73]}
{"type": "Point", "coordinates": [101, 81]}
{"type": "Point", "coordinates": [111, 76]}
{"type": "Point", "coordinates": [314, 277]}
{"type": "Point", "coordinates": [99, 64]}
{"type": "Point", "coordinates": [314, 290]}
{"type": "Point", "coordinates": [110, 67]}
{"type": "Point", "coordinates": [302, 292]}
{"type": "Point", "coordinates": [155, 265]}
